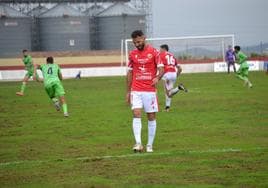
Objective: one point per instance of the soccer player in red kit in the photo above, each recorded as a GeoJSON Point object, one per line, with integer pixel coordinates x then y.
{"type": "Point", "coordinates": [172, 70]}
{"type": "Point", "coordinates": [142, 78]}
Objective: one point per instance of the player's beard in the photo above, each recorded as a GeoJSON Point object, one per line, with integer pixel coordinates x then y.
{"type": "Point", "coordinates": [141, 47]}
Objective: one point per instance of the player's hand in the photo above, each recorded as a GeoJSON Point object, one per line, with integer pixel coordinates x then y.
{"type": "Point", "coordinates": [128, 98]}
{"type": "Point", "coordinates": [155, 81]}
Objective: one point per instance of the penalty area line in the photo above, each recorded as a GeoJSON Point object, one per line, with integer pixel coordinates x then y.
{"type": "Point", "coordinates": [96, 158]}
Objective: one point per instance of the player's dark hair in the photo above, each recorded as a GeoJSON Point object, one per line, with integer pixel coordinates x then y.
{"type": "Point", "coordinates": [24, 50]}
{"type": "Point", "coordinates": [164, 46]}
{"type": "Point", "coordinates": [137, 33]}
{"type": "Point", "coordinates": [237, 48]}
{"type": "Point", "coordinates": [50, 60]}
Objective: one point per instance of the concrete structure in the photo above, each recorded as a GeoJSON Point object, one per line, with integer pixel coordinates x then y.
{"type": "Point", "coordinates": [15, 31]}
{"type": "Point", "coordinates": [10, 75]}
{"type": "Point", "coordinates": [116, 23]}
{"type": "Point", "coordinates": [15, 75]}
{"type": "Point", "coordinates": [64, 28]}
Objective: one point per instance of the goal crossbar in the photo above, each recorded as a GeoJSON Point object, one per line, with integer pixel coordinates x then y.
{"type": "Point", "coordinates": [126, 41]}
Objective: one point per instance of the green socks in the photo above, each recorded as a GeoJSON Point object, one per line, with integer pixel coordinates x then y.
{"type": "Point", "coordinates": [242, 77]}
{"type": "Point", "coordinates": [23, 86]}
{"type": "Point", "coordinates": [64, 108]}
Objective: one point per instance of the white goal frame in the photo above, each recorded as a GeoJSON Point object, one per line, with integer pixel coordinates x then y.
{"type": "Point", "coordinates": [125, 51]}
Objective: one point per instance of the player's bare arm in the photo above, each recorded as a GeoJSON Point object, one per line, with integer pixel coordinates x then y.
{"type": "Point", "coordinates": [159, 75]}
{"type": "Point", "coordinates": [36, 66]}
{"type": "Point", "coordinates": [129, 82]}
{"type": "Point", "coordinates": [179, 70]}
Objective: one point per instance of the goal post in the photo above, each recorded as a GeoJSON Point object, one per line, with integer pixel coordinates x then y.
{"type": "Point", "coordinates": [194, 48]}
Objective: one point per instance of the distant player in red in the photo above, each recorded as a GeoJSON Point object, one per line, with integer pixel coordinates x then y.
{"type": "Point", "coordinates": [142, 78]}
{"type": "Point", "coordinates": [172, 70]}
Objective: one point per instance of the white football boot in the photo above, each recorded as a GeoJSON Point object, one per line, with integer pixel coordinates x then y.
{"type": "Point", "coordinates": [137, 148]}
{"type": "Point", "coordinates": [19, 93]}
{"type": "Point", "coordinates": [149, 149]}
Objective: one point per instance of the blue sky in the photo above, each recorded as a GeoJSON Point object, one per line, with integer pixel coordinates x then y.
{"type": "Point", "coordinates": [247, 19]}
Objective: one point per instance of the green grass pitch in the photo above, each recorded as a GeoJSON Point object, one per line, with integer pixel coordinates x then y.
{"type": "Point", "coordinates": [214, 136]}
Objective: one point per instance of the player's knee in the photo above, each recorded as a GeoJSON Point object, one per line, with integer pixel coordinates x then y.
{"type": "Point", "coordinates": [25, 79]}
{"type": "Point", "coordinates": [151, 116]}
{"type": "Point", "coordinates": [169, 94]}
{"type": "Point", "coordinates": [62, 100]}
{"type": "Point", "coordinates": [136, 113]}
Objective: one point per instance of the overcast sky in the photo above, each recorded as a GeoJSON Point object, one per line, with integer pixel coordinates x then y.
{"type": "Point", "coordinates": [247, 19]}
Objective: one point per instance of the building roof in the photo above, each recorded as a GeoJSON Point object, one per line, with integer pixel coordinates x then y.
{"type": "Point", "coordinates": [61, 10]}
{"type": "Point", "coordinates": [37, 11]}
{"type": "Point", "coordinates": [57, 1]}
{"type": "Point", "coordinates": [119, 9]}
{"type": "Point", "coordinates": [6, 11]}
{"type": "Point", "coordinates": [94, 10]}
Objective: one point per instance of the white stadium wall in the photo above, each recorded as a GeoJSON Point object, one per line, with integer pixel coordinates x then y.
{"type": "Point", "coordinates": [253, 66]}
{"type": "Point", "coordinates": [14, 75]}
{"type": "Point", "coordinates": [197, 68]}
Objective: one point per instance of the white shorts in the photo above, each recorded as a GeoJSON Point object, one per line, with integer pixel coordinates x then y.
{"type": "Point", "coordinates": [170, 79]}
{"type": "Point", "coordinates": [146, 100]}
{"type": "Point", "coordinates": [170, 76]}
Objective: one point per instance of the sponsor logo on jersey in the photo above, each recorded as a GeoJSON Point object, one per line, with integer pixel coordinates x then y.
{"type": "Point", "coordinates": [150, 56]}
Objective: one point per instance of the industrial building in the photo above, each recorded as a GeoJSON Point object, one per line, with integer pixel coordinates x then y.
{"type": "Point", "coordinates": [116, 23]}
{"type": "Point", "coordinates": [61, 25]}
{"type": "Point", "coordinates": [63, 28]}
{"type": "Point", "coordinates": [15, 31]}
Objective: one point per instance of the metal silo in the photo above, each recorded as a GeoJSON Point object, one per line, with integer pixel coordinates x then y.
{"type": "Point", "coordinates": [34, 13]}
{"type": "Point", "coordinates": [15, 31]}
{"type": "Point", "coordinates": [92, 12]}
{"type": "Point", "coordinates": [63, 28]}
{"type": "Point", "coordinates": [116, 23]}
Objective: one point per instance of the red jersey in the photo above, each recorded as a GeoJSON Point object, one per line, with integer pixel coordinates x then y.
{"type": "Point", "coordinates": [144, 68]}
{"type": "Point", "coordinates": [169, 61]}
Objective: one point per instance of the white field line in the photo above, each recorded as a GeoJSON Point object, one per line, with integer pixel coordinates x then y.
{"type": "Point", "coordinates": [224, 150]}
{"type": "Point", "coordinates": [194, 90]}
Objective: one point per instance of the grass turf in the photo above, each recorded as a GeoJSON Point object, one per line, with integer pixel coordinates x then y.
{"type": "Point", "coordinates": [215, 136]}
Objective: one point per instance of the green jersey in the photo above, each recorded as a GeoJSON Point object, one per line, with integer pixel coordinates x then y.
{"type": "Point", "coordinates": [50, 73]}
{"type": "Point", "coordinates": [242, 59]}
{"type": "Point", "coordinates": [28, 62]}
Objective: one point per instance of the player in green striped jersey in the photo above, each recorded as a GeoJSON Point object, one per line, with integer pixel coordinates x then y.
{"type": "Point", "coordinates": [241, 59]}
{"type": "Point", "coordinates": [52, 83]}
{"type": "Point", "coordinates": [29, 67]}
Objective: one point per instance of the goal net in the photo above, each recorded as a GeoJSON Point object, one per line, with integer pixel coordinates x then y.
{"type": "Point", "coordinates": [210, 48]}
